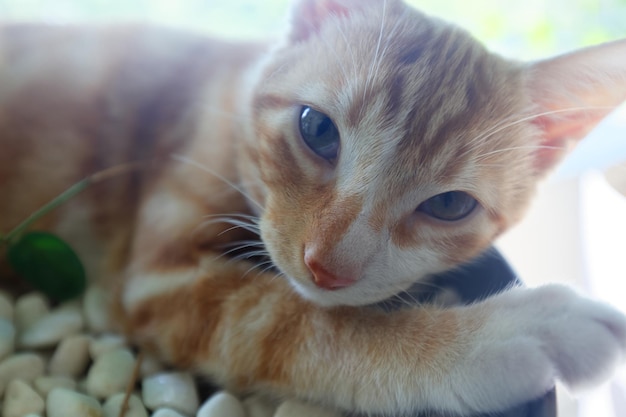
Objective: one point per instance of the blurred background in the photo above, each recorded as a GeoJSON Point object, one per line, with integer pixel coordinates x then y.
{"type": "Point", "coordinates": [522, 29]}
{"type": "Point", "coordinates": [576, 230]}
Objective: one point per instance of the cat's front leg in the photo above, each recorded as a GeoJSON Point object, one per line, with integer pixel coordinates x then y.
{"type": "Point", "coordinates": [252, 332]}
{"type": "Point", "coordinates": [500, 353]}
{"type": "Point", "coordinates": [256, 334]}
{"type": "Point", "coordinates": [528, 338]}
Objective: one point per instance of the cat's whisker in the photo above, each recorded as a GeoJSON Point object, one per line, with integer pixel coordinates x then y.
{"type": "Point", "coordinates": [370, 73]}
{"type": "Point", "coordinates": [473, 143]}
{"type": "Point", "coordinates": [239, 247]}
{"type": "Point", "coordinates": [245, 256]}
{"type": "Point", "coordinates": [412, 301]}
{"type": "Point", "coordinates": [250, 224]}
{"type": "Point", "coordinates": [239, 220]}
{"type": "Point", "coordinates": [478, 158]}
{"type": "Point", "coordinates": [236, 225]}
{"type": "Point", "coordinates": [241, 225]}
{"type": "Point", "coordinates": [499, 127]}
{"type": "Point", "coordinates": [187, 160]}
{"type": "Point", "coordinates": [243, 243]}
{"type": "Point", "coordinates": [350, 50]}
{"type": "Point", "coordinates": [250, 217]}
{"type": "Point", "coordinates": [251, 254]}
{"type": "Point", "coordinates": [389, 41]}
{"type": "Point", "coordinates": [407, 297]}
{"type": "Point", "coordinates": [402, 296]}
{"type": "Point", "coordinates": [491, 165]}
{"type": "Point", "coordinates": [231, 219]}
{"type": "Point", "coordinates": [269, 267]}
{"type": "Point", "coordinates": [228, 252]}
{"type": "Point", "coordinates": [256, 266]}
{"type": "Point", "coordinates": [281, 275]}
{"type": "Point", "coordinates": [272, 266]}
{"type": "Point", "coordinates": [505, 124]}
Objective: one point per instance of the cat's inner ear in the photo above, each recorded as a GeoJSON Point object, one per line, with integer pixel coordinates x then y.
{"type": "Point", "coordinates": [573, 93]}
{"type": "Point", "coordinates": [308, 16]}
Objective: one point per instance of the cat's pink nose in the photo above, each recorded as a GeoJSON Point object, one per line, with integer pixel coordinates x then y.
{"type": "Point", "coordinates": [322, 277]}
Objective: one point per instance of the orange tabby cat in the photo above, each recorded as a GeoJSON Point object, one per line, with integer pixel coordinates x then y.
{"type": "Point", "coordinates": [371, 148]}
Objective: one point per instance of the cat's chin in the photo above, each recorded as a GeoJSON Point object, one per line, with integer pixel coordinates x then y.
{"type": "Point", "coordinates": [355, 295]}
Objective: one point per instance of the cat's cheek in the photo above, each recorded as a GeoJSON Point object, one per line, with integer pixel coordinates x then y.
{"type": "Point", "coordinates": [413, 265]}
{"type": "Point", "coordinates": [435, 246]}
{"type": "Point", "coordinates": [281, 245]}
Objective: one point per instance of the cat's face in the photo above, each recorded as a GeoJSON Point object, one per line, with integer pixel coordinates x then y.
{"type": "Point", "coordinates": [391, 146]}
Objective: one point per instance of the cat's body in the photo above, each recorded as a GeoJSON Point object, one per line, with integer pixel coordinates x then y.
{"type": "Point", "coordinates": [422, 111]}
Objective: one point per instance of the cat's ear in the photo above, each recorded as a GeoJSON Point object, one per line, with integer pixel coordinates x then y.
{"type": "Point", "coordinates": [574, 92]}
{"type": "Point", "coordinates": [308, 16]}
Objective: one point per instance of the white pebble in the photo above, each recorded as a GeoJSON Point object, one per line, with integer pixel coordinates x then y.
{"type": "Point", "coordinates": [45, 384]}
{"type": "Point", "coordinates": [222, 404]}
{"type": "Point", "coordinates": [105, 343]}
{"type": "Point", "coordinates": [71, 356]}
{"type": "Point", "coordinates": [25, 366]}
{"type": "Point", "coordinates": [176, 390]}
{"type": "Point", "coordinates": [20, 399]}
{"type": "Point", "coordinates": [257, 406]}
{"type": "Point", "coordinates": [29, 308]}
{"type": "Point", "coordinates": [96, 309]}
{"type": "Point", "coordinates": [62, 402]}
{"type": "Point", "coordinates": [6, 306]}
{"type": "Point", "coordinates": [113, 406]}
{"type": "Point", "coordinates": [52, 328]}
{"type": "Point", "coordinates": [110, 373]}
{"type": "Point", "coordinates": [7, 338]}
{"type": "Point", "coordinates": [166, 412]}
{"type": "Point", "coordinates": [295, 408]}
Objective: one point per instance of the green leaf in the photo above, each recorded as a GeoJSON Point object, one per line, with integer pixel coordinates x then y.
{"type": "Point", "coordinates": [49, 264]}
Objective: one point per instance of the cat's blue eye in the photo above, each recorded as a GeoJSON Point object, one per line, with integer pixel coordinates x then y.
{"type": "Point", "coordinates": [319, 133]}
{"type": "Point", "coordinates": [450, 206]}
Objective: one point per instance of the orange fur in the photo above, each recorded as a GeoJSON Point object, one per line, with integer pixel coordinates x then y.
{"type": "Point", "coordinates": [422, 109]}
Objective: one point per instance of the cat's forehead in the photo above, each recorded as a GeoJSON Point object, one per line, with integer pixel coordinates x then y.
{"type": "Point", "coordinates": [411, 89]}
{"type": "Point", "coordinates": [410, 96]}
{"type": "Point", "coordinates": [399, 68]}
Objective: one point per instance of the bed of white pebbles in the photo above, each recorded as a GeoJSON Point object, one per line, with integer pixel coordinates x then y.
{"type": "Point", "coordinates": [62, 362]}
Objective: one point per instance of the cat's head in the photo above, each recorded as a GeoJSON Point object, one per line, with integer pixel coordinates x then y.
{"type": "Point", "coordinates": [392, 146]}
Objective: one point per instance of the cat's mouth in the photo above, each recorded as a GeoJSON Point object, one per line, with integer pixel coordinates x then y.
{"type": "Point", "coordinates": [333, 284]}
{"type": "Point", "coordinates": [357, 293]}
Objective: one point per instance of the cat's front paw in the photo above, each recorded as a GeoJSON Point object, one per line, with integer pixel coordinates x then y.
{"type": "Point", "coordinates": [585, 339]}
{"type": "Point", "coordinates": [533, 337]}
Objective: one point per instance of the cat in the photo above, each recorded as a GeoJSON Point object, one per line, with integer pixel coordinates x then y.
{"type": "Point", "coordinates": [369, 148]}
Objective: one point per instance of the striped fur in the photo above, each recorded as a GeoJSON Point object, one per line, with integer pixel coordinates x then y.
{"type": "Point", "coordinates": [422, 109]}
